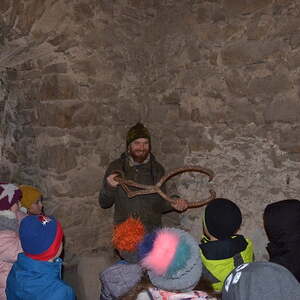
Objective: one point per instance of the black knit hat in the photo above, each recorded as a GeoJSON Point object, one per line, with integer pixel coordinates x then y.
{"type": "Point", "coordinates": [136, 132]}
{"type": "Point", "coordinates": [222, 218]}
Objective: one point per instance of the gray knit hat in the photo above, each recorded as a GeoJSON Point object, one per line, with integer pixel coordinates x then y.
{"type": "Point", "coordinates": [119, 279]}
{"type": "Point", "coordinates": [261, 280]}
{"type": "Point", "coordinates": [172, 258]}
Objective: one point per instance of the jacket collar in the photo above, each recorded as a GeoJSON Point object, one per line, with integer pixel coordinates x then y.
{"type": "Point", "coordinates": [52, 269]}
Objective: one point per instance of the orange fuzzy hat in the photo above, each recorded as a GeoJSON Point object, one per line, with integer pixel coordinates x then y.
{"type": "Point", "coordinates": [128, 234]}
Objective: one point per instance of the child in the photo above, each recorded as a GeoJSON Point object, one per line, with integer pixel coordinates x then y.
{"type": "Point", "coordinates": [10, 245]}
{"type": "Point", "coordinates": [221, 248]}
{"type": "Point", "coordinates": [171, 257]}
{"type": "Point", "coordinates": [126, 237]}
{"type": "Point", "coordinates": [282, 225]}
{"type": "Point", "coordinates": [261, 281]}
{"type": "Point", "coordinates": [119, 278]}
{"type": "Point", "coordinates": [31, 201]}
{"type": "Point", "coordinates": [37, 272]}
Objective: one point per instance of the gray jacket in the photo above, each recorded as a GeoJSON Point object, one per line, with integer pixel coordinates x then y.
{"type": "Point", "coordinates": [148, 208]}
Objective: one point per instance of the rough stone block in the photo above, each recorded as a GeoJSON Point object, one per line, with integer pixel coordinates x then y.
{"type": "Point", "coordinates": [86, 181]}
{"type": "Point", "coordinates": [248, 52]}
{"type": "Point", "coordinates": [282, 110]}
{"type": "Point", "coordinates": [269, 85]}
{"type": "Point", "coordinates": [58, 87]}
{"type": "Point", "coordinates": [58, 115]}
{"type": "Point", "coordinates": [243, 7]}
{"type": "Point", "coordinates": [58, 158]}
{"type": "Point", "coordinates": [57, 68]}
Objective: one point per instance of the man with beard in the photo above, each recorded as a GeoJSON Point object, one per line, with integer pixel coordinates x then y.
{"type": "Point", "coordinates": [137, 164]}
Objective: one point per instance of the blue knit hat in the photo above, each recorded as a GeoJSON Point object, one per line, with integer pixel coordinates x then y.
{"type": "Point", "coordinates": [40, 237]}
{"type": "Point", "coordinates": [172, 258]}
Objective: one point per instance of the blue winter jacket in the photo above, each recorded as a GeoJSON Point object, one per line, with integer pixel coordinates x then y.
{"type": "Point", "coordinates": [31, 279]}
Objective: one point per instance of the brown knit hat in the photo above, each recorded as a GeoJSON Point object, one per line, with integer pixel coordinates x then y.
{"type": "Point", "coordinates": [136, 132]}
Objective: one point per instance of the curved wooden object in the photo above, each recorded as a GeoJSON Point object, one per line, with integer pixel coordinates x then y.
{"type": "Point", "coordinates": [152, 189]}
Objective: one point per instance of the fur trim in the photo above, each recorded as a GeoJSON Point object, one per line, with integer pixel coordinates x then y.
{"type": "Point", "coordinates": [147, 244]}
{"type": "Point", "coordinates": [163, 252]}
{"type": "Point", "coordinates": [8, 214]}
{"type": "Point", "coordinates": [183, 254]}
{"type": "Point", "coordinates": [8, 221]}
{"type": "Point", "coordinates": [183, 271]}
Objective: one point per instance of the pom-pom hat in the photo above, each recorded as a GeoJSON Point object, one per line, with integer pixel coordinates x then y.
{"type": "Point", "coordinates": [9, 195]}
{"type": "Point", "coordinates": [126, 237]}
{"type": "Point", "coordinates": [172, 259]}
{"type": "Point", "coordinates": [40, 236]}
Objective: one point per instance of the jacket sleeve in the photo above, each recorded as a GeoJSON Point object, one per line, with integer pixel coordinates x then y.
{"type": "Point", "coordinates": [107, 193]}
{"type": "Point", "coordinates": [10, 246]}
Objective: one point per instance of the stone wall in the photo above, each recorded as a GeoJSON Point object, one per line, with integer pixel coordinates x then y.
{"type": "Point", "coordinates": [215, 81]}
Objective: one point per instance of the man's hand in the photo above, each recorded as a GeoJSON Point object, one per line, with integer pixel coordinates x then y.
{"type": "Point", "coordinates": [111, 181]}
{"type": "Point", "coordinates": [180, 204]}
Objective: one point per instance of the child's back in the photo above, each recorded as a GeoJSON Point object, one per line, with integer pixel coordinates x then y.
{"type": "Point", "coordinates": [171, 258]}
{"type": "Point", "coordinates": [37, 272]}
{"type": "Point", "coordinates": [31, 279]}
{"type": "Point", "coordinates": [221, 249]}
{"type": "Point", "coordinates": [282, 225]}
{"type": "Point", "coordinates": [10, 245]}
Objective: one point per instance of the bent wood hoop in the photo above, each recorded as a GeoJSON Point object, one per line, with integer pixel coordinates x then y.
{"type": "Point", "coordinates": [153, 189]}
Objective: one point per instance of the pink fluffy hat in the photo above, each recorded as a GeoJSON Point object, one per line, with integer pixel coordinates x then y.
{"type": "Point", "coordinates": [172, 259]}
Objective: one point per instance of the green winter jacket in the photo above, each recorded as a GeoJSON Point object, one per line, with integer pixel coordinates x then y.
{"type": "Point", "coordinates": [148, 208]}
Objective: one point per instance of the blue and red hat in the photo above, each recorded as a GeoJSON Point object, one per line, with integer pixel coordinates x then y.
{"type": "Point", "coordinates": [40, 237]}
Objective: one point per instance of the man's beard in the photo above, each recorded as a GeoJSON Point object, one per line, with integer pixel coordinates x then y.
{"type": "Point", "coordinates": [139, 156]}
